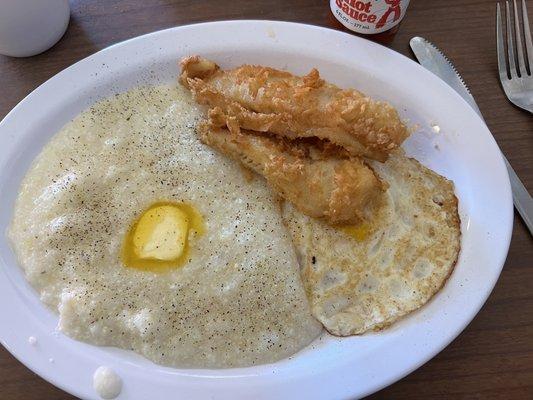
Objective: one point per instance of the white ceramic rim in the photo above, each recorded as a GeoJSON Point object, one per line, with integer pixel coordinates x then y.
{"type": "Point", "coordinates": [331, 368]}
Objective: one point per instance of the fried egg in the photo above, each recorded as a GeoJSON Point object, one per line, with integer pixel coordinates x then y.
{"type": "Point", "coordinates": [361, 278]}
{"type": "Point", "coordinates": [143, 238]}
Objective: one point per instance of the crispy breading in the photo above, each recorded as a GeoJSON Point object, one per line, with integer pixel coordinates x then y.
{"type": "Point", "coordinates": [338, 190]}
{"type": "Point", "coordinates": [264, 99]}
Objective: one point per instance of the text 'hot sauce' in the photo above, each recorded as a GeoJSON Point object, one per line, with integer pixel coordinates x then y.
{"type": "Point", "coordinates": [377, 18]}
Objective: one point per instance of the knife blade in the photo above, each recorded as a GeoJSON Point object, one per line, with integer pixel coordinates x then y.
{"type": "Point", "coordinates": [434, 60]}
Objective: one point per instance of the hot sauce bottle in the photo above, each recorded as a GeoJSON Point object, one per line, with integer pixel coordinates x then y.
{"type": "Point", "coordinates": [378, 20]}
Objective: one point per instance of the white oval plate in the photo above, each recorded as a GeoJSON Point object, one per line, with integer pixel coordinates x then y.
{"type": "Point", "coordinates": [463, 151]}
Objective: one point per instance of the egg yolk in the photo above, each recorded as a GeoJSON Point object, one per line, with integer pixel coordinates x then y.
{"type": "Point", "coordinates": [358, 232]}
{"type": "Point", "coordinates": [159, 238]}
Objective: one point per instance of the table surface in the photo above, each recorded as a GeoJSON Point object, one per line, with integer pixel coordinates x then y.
{"type": "Point", "coordinates": [493, 357]}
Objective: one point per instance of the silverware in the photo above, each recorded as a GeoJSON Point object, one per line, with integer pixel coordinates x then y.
{"type": "Point", "coordinates": [431, 58]}
{"type": "Point", "coordinates": [516, 74]}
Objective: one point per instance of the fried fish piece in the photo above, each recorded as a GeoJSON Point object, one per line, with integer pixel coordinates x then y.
{"type": "Point", "coordinates": [338, 190]}
{"type": "Point", "coordinates": [264, 99]}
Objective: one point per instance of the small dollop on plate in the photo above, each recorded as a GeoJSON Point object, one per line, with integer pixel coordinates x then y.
{"type": "Point", "coordinates": [107, 383]}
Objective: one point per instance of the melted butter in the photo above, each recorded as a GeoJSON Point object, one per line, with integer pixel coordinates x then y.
{"type": "Point", "coordinates": [160, 238]}
{"type": "Point", "coordinates": [358, 232]}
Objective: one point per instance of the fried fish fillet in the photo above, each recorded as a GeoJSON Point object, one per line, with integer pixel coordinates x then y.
{"type": "Point", "coordinates": [264, 99]}
{"type": "Point", "coordinates": [337, 190]}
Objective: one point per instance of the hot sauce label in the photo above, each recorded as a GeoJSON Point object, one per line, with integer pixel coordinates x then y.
{"type": "Point", "coordinates": [370, 16]}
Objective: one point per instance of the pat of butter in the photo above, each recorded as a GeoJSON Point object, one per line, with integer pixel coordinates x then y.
{"type": "Point", "coordinates": [161, 233]}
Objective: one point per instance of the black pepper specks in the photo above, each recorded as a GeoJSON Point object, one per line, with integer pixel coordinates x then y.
{"type": "Point", "coordinates": [237, 302]}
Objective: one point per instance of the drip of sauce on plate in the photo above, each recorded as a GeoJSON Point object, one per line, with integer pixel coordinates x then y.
{"type": "Point", "coordinates": [107, 383]}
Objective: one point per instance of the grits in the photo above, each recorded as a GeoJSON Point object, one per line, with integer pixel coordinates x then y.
{"type": "Point", "coordinates": [237, 301]}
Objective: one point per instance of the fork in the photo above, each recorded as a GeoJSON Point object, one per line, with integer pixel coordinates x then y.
{"type": "Point", "coordinates": [516, 73]}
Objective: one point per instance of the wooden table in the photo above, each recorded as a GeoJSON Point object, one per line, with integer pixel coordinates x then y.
{"type": "Point", "coordinates": [493, 357]}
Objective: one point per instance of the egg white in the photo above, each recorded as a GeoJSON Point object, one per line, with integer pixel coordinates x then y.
{"type": "Point", "coordinates": [409, 251]}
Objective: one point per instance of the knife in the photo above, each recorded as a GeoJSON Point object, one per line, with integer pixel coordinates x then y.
{"type": "Point", "coordinates": [431, 58]}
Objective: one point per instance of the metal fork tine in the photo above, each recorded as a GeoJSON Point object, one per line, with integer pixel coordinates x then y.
{"type": "Point", "coordinates": [518, 89]}
{"type": "Point", "coordinates": [502, 64]}
{"type": "Point", "coordinates": [527, 36]}
{"type": "Point", "coordinates": [518, 34]}
{"type": "Point", "coordinates": [510, 46]}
